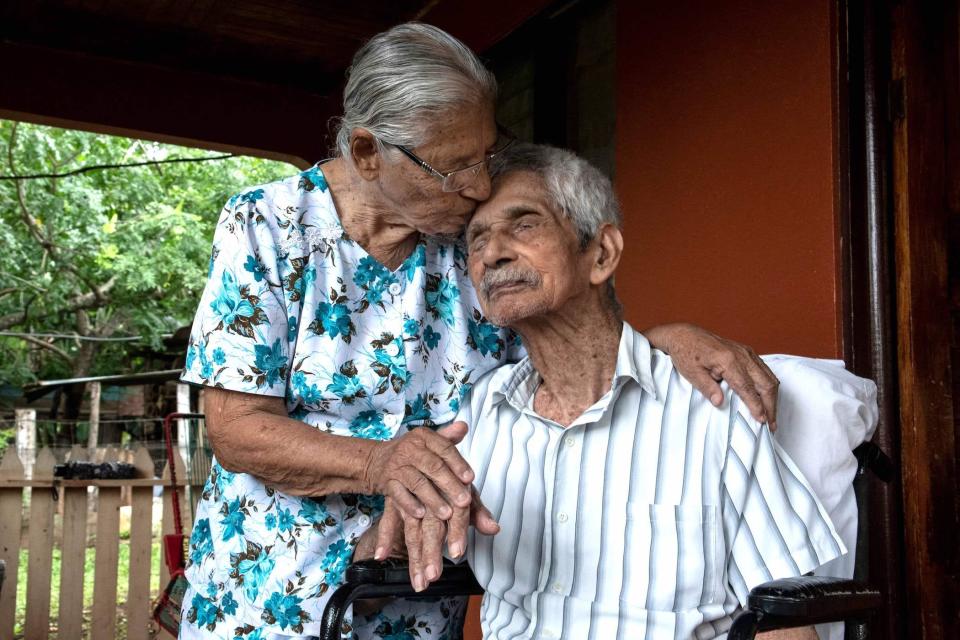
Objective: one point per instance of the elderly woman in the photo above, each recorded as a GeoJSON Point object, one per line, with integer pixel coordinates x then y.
{"type": "Point", "coordinates": [339, 316]}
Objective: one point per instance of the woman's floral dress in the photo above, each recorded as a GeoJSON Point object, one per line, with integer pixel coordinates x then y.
{"type": "Point", "coordinates": [294, 308]}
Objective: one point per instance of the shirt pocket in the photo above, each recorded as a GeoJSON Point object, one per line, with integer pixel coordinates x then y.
{"type": "Point", "coordinates": [683, 559]}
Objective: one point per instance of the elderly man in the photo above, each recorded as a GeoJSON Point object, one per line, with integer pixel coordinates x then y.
{"type": "Point", "coordinates": [629, 505]}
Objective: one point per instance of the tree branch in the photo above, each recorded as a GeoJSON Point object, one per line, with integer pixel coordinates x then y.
{"type": "Point", "coordinates": [89, 300]}
{"type": "Point", "coordinates": [50, 347]}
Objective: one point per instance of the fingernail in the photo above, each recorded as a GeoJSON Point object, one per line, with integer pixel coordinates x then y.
{"type": "Point", "coordinates": [463, 499]}
{"type": "Point", "coordinates": [456, 550]}
{"type": "Point", "coordinates": [432, 573]}
{"type": "Point", "coordinates": [419, 512]}
{"type": "Point", "coordinates": [445, 512]}
{"type": "Point", "coordinates": [418, 583]}
{"type": "Point", "coordinates": [467, 476]}
{"type": "Point", "coordinates": [380, 553]}
{"type": "Point", "coordinates": [716, 398]}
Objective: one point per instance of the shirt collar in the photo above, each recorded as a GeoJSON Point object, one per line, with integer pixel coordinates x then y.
{"type": "Point", "coordinates": [634, 361]}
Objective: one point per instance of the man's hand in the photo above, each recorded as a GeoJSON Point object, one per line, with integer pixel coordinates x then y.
{"type": "Point", "coordinates": [705, 359]}
{"type": "Point", "coordinates": [422, 472]}
{"type": "Point", "coordinates": [423, 539]}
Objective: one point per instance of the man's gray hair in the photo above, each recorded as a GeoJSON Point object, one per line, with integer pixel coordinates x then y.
{"type": "Point", "coordinates": [403, 77]}
{"type": "Point", "coordinates": [577, 188]}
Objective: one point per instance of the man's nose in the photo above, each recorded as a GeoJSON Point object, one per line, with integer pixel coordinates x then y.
{"type": "Point", "coordinates": [498, 251]}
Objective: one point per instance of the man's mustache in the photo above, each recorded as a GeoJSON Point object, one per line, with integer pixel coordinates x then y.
{"type": "Point", "coordinates": [508, 275]}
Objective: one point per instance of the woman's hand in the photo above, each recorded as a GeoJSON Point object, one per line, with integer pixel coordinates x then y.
{"type": "Point", "coordinates": [705, 359]}
{"type": "Point", "coordinates": [422, 472]}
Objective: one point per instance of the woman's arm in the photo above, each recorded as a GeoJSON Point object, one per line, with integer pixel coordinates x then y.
{"type": "Point", "coordinates": [253, 434]}
{"type": "Point", "coordinates": [705, 359]}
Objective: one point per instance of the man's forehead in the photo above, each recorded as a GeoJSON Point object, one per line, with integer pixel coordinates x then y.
{"type": "Point", "coordinates": [518, 190]}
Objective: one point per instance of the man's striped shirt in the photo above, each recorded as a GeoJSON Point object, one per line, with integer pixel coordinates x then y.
{"type": "Point", "coordinates": [651, 516]}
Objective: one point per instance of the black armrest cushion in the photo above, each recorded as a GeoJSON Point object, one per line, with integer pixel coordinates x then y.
{"type": "Point", "coordinates": [811, 600]}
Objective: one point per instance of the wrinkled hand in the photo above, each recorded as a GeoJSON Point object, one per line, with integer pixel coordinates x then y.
{"type": "Point", "coordinates": [423, 538]}
{"type": "Point", "coordinates": [705, 359]}
{"type": "Point", "coordinates": [422, 472]}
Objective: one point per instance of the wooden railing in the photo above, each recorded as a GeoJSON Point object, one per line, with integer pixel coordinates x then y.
{"type": "Point", "coordinates": [70, 502]}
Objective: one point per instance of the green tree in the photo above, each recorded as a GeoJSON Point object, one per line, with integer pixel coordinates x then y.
{"type": "Point", "coordinates": [103, 253]}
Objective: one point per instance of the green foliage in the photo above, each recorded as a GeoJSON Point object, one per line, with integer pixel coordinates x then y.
{"type": "Point", "coordinates": [141, 235]}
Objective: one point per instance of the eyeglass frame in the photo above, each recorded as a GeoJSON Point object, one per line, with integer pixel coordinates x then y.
{"type": "Point", "coordinates": [442, 176]}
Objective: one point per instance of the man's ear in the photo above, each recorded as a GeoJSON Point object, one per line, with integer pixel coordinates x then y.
{"type": "Point", "coordinates": [365, 153]}
{"type": "Point", "coordinates": [608, 251]}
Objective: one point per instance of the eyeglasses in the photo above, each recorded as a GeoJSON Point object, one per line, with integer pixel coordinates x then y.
{"type": "Point", "coordinates": [460, 179]}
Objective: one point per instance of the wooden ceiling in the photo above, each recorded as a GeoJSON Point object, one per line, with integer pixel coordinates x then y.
{"type": "Point", "coordinates": [301, 43]}
{"type": "Point", "coordinates": [249, 76]}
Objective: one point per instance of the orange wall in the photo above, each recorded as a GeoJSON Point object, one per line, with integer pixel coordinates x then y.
{"type": "Point", "coordinates": [725, 167]}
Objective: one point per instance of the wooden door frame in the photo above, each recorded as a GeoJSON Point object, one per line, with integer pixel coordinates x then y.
{"type": "Point", "coordinates": [896, 145]}
{"type": "Point", "coordinates": [862, 73]}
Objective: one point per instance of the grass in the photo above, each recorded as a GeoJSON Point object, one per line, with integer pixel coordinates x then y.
{"type": "Point", "coordinates": [123, 576]}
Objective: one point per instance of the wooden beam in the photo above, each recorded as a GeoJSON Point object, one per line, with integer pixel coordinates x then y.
{"type": "Point", "coordinates": [110, 96]}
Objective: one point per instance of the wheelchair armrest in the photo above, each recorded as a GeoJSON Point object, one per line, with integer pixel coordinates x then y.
{"type": "Point", "coordinates": [804, 601]}
{"type": "Point", "coordinates": [376, 579]}
{"type": "Point", "coordinates": [871, 457]}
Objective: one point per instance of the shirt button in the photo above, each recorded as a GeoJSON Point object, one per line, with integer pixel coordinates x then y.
{"type": "Point", "coordinates": [393, 349]}
{"type": "Point", "coordinates": [557, 588]}
{"type": "Point", "coordinates": [391, 420]}
{"type": "Point", "coordinates": [395, 288]}
{"type": "Point", "coordinates": [570, 441]}
{"type": "Point", "coordinates": [562, 517]}
{"type": "Point", "coordinates": [548, 634]}
{"type": "Point", "coordinates": [363, 520]}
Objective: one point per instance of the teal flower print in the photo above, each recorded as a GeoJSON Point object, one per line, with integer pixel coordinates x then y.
{"type": "Point", "coordinates": [430, 337]}
{"type": "Point", "coordinates": [285, 611]}
{"type": "Point", "coordinates": [271, 363]}
{"type": "Point", "coordinates": [373, 278]}
{"type": "Point", "coordinates": [228, 604]}
{"type": "Point", "coordinates": [334, 321]}
{"type": "Point", "coordinates": [191, 356]}
{"type": "Point", "coordinates": [204, 612]}
{"type": "Point", "coordinates": [346, 385]}
{"type": "Point", "coordinates": [247, 197]}
{"type": "Point", "coordinates": [270, 521]}
{"type": "Point", "coordinates": [219, 357]}
{"type": "Point", "coordinates": [237, 309]}
{"type": "Point", "coordinates": [291, 328]}
{"type": "Point", "coordinates": [414, 261]}
{"type": "Point", "coordinates": [391, 368]}
{"type": "Point", "coordinates": [307, 393]}
{"type": "Point", "coordinates": [232, 521]}
{"type": "Point", "coordinates": [251, 569]}
{"type": "Point", "coordinates": [485, 338]}
{"type": "Point", "coordinates": [442, 296]}
{"type": "Point", "coordinates": [315, 512]}
{"type": "Point", "coordinates": [401, 629]}
{"type": "Point", "coordinates": [257, 268]}
{"type": "Point", "coordinates": [369, 425]}
{"type": "Point", "coordinates": [201, 541]}
{"type": "Point", "coordinates": [417, 411]}
{"type": "Point", "coordinates": [285, 522]}
{"type": "Point", "coordinates": [411, 327]}
{"type": "Point", "coordinates": [335, 561]}
{"type": "Point", "coordinates": [312, 179]}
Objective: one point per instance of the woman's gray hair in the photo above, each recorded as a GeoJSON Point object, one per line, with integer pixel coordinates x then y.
{"type": "Point", "coordinates": [403, 77]}
{"type": "Point", "coordinates": [577, 188]}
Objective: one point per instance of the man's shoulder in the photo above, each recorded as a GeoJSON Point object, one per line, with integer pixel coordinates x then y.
{"type": "Point", "coordinates": [671, 386]}
{"type": "Point", "coordinates": [498, 380]}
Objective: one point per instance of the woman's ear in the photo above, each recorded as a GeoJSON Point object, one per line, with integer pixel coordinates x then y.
{"type": "Point", "coordinates": [609, 241]}
{"type": "Point", "coordinates": [365, 153]}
